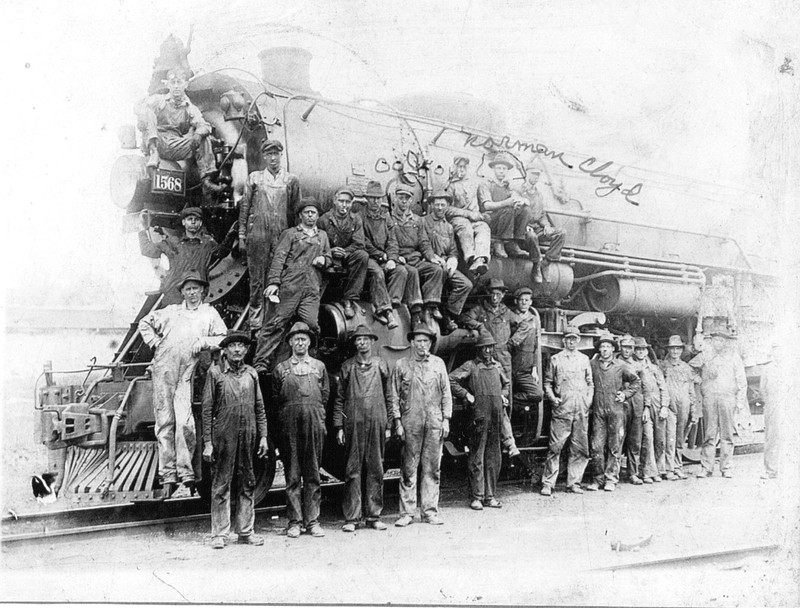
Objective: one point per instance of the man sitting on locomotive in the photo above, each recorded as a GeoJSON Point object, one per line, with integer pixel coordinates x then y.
{"type": "Point", "coordinates": [173, 128]}
{"type": "Point", "coordinates": [346, 236]}
{"type": "Point", "coordinates": [469, 224]}
{"type": "Point", "coordinates": [509, 213]}
{"type": "Point", "coordinates": [540, 230]}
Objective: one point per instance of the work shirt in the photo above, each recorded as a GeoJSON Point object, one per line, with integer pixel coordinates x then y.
{"type": "Point", "coordinates": [232, 406]}
{"type": "Point", "coordinates": [679, 378]}
{"type": "Point", "coordinates": [492, 191]}
{"type": "Point", "coordinates": [485, 380]}
{"type": "Point", "coordinates": [609, 377]}
{"type": "Point", "coordinates": [523, 340]}
{"type": "Point", "coordinates": [346, 232]}
{"type": "Point", "coordinates": [291, 263]}
{"type": "Point", "coordinates": [538, 215]}
{"type": "Point", "coordinates": [497, 321]}
{"type": "Point", "coordinates": [380, 239]}
{"type": "Point", "coordinates": [568, 377]}
{"type": "Point", "coordinates": [441, 235]}
{"type": "Point", "coordinates": [269, 203]}
{"type": "Point", "coordinates": [464, 202]}
{"type": "Point", "coordinates": [184, 254]}
{"type": "Point", "coordinates": [175, 328]}
{"type": "Point", "coordinates": [637, 399]}
{"type": "Point", "coordinates": [176, 119]}
{"type": "Point", "coordinates": [300, 381]}
{"type": "Point", "coordinates": [412, 238]}
{"type": "Point", "coordinates": [722, 374]}
{"type": "Point", "coordinates": [654, 388]}
{"type": "Point", "coordinates": [363, 393]}
{"type": "Point", "coordinates": [421, 389]}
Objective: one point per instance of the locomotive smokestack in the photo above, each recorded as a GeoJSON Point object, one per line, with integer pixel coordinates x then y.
{"type": "Point", "coordinates": [287, 66]}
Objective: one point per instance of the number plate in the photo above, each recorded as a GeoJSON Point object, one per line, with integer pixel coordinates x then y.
{"type": "Point", "coordinates": [169, 182]}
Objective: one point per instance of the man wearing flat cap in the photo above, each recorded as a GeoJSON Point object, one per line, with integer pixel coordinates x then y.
{"type": "Point", "coordinates": [345, 231]}
{"type": "Point", "coordinates": [634, 413]}
{"type": "Point", "coordinates": [723, 387]}
{"type": "Point", "coordinates": [178, 333]}
{"type": "Point", "coordinates": [195, 250]}
{"type": "Point", "coordinates": [267, 209]}
{"type": "Point", "coordinates": [421, 407]}
{"type": "Point", "coordinates": [484, 387]}
{"type": "Point", "coordinates": [173, 128]}
{"type": "Point", "coordinates": [615, 381]}
{"type": "Point", "coordinates": [300, 389]}
{"type": "Point", "coordinates": [294, 281]}
{"type": "Point", "coordinates": [679, 378]}
{"type": "Point", "coordinates": [445, 254]}
{"type": "Point", "coordinates": [234, 423]}
{"type": "Point", "coordinates": [540, 230]}
{"type": "Point", "coordinates": [569, 386]}
{"type": "Point", "coordinates": [469, 224]}
{"type": "Point", "coordinates": [509, 213]}
{"type": "Point", "coordinates": [360, 417]}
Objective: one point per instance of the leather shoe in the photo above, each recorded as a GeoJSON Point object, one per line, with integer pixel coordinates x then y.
{"type": "Point", "coordinates": [635, 480]}
{"type": "Point", "coordinates": [498, 250]}
{"type": "Point", "coordinates": [680, 475]}
{"type": "Point", "coordinates": [593, 487]}
{"type": "Point", "coordinates": [349, 311]}
{"type": "Point", "coordinates": [391, 321]}
{"type": "Point", "coordinates": [435, 313]}
{"type": "Point", "coordinates": [671, 476]}
{"type": "Point", "coordinates": [576, 489]}
{"type": "Point", "coordinates": [476, 505]}
{"type": "Point", "coordinates": [514, 250]}
{"type": "Point", "coordinates": [537, 275]}
{"type": "Point", "coordinates": [479, 267]}
{"type": "Point", "coordinates": [405, 520]}
{"type": "Point", "coordinates": [657, 479]}
{"type": "Point", "coordinates": [252, 539]}
{"type": "Point", "coordinates": [610, 487]}
{"type": "Point", "coordinates": [348, 527]}
{"type": "Point", "coordinates": [647, 480]}
{"type": "Point", "coordinates": [493, 503]}
{"type": "Point", "coordinates": [377, 525]}
{"type": "Point", "coordinates": [727, 474]}
{"type": "Point", "coordinates": [293, 531]}
{"type": "Point", "coordinates": [513, 451]}
{"type": "Point", "coordinates": [217, 542]}
{"type": "Point", "coordinates": [316, 530]}
{"type": "Point", "coordinates": [448, 326]}
{"type": "Point", "coordinates": [703, 474]}
{"type": "Point", "coordinates": [546, 491]}
{"type": "Point", "coordinates": [434, 520]}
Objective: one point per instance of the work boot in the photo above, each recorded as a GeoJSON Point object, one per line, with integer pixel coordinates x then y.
{"type": "Point", "coordinates": [251, 539]}
{"type": "Point", "coordinates": [448, 326]}
{"type": "Point", "coordinates": [671, 476]}
{"type": "Point", "coordinates": [546, 491]}
{"type": "Point", "coordinates": [727, 474]}
{"type": "Point", "coordinates": [647, 480]}
{"type": "Point", "coordinates": [256, 318]}
{"type": "Point", "coordinates": [153, 158]}
{"type": "Point", "coordinates": [769, 476]}
{"type": "Point", "coordinates": [537, 274]}
{"type": "Point", "coordinates": [476, 505]}
{"type": "Point", "coordinates": [217, 542]}
{"type": "Point", "coordinates": [416, 314]}
{"type": "Point", "coordinates": [657, 478]}
{"type": "Point", "coordinates": [702, 474]}
{"type": "Point", "coordinates": [404, 521]}
{"type": "Point", "coordinates": [293, 531]}
{"type": "Point", "coordinates": [183, 491]}
{"type": "Point", "coordinates": [380, 317]}
{"type": "Point", "coordinates": [513, 451]}
{"type": "Point", "coordinates": [593, 487]}
{"type": "Point", "coordinates": [492, 503]}
{"type": "Point", "coordinates": [435, 313]}
{"type": "Point", "coordinates": [479, 267]}
{"type": "Point", "coordinates": [514, 250]}
{"type": "Point", "coordinates": [498, 250]}
{"type": "Point", "coordinates": [681, 475]}
{"type": "Point", "coordinates": [349, 527]}
{"type": "Point", "coordinates": [377, 524]}
{"type": "Point", "coordinates": [610, 487]}
{"type": "Point", "coordinates": [391, 321]}
{"type": "Point", "coordinates": [434, 520]}
{"type": "Point", "coordinates": [636, 480]}
{"type": "Point", "coordinates": [576, 489]}
{"type": "Point", "coordinates": [315, 530]}
{"type": "Point", "coordinates": [349, 311]}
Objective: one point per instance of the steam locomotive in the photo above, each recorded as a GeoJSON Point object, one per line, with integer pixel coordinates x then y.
{"type": "Point", "coordinates": [640, 256]}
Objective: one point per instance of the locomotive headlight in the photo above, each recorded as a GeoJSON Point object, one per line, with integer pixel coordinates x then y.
{"type": "Point", "coordinates": [232, 105]}
{"type": "Point", "coordinates": [125, 173]}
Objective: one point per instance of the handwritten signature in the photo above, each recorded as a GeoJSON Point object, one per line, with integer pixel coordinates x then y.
{"type": "Point", "coordinates": [608, 183]}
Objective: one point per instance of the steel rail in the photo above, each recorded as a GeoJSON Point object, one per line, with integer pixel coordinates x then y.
{"type": "Point", "coordinates": [692, 557]}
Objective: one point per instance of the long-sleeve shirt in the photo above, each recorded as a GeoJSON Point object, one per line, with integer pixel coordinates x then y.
{"type": "Point", "coordinates": [291, 262]}
{"type": "Point", "coordinates": [679, 378]}
{"type": "Point", "coordinates": [441, 235]}
{"type": "Point", "coordinates": [176, 327]}
{"type": "Point", "coordinates": [472, 377]}
{"type": "Point", "coordinates": [497, 321]}
{"type": "Point", "coordinates": [523, 340]}
{"type": "Point", "coordinates": [568, 373]}
{"type": "Point", "coordinates": [610, 377]}
{"type": "Point", "coordinates": [421, 384]}
{"type": "Point", "coordinates": [184, 254]}
{"type": "Point", "coordinates": [654, 388]}
{"type": "Point", "coordinates": [364, 389]}
{"type": "Point", "coordinates": [346, 232]}
{"type": "Point", "coordinates": [538, 215]}
{"type": "Point", "coordinates": [176, 119]}
{"type": "Point", "coordinates": [465, 203]}
{"type": "Point", "coordinates": [270, 201]}
{"type": "Point", "coordinates": [412, 238]}
{"type": "Point", "coordinates": [722, 373]}
{"type": "Point", "coordinates": [380, 239]}
{"type": "Point", "coordinates": [232, 404]}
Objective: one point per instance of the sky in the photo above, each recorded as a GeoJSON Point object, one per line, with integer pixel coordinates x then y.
{"type": "Point", "coordinates": [682, 88]}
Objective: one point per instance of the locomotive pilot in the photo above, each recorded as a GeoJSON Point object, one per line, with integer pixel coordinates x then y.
{"type": "Point", "coordinates": [679, 378]}
{"type": "Point", "coordinates": [300, 389]}
{"type": "Point", "coordinates": [390, 281]}
{"type": "Point", "coordinates": [416, 253]}
{"type": "Point", "coordinates": [445, 254]}
{"type": "Point", "coordinates": [360, 415]}
{"type": "Point", "coordinates": [234, 422]}
{"type": "Point", "coordinates": [469, 224]}
{"type": "Point", "coordinates": [652, 463]}
{"type": "Point", "coordinates": [569, 386]}
{"type": "Point", "coordinates": [267, 209]}
{"type": "Point", "coordinates": [294, 281]}
{"type": "Point", "coordinates": [178, 333]}
{"type": "Point", "coordinates": [509, 213]}
{"type": "Point", "coordinates": [540, 230]}
{"type": "Point", "coordinates": [173, 128]}
{"type": "Point", "coordinates": [346, 235]}
{"type": "Point", "coordinates": [421, 406]}
{"type": "Point", "coordinates": [614, 382]}
{"type": "Point", "coordinates": [483, 385]}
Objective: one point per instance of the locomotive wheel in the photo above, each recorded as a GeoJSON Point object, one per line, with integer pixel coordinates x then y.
{"type": "Point", "coordinates": [264, 469]}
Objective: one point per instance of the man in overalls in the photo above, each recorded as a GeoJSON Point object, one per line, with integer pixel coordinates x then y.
{"type": "Point", "coordinates": [569, 386]}
{"type": "Point", "coordinates": [360, 419]}
{"type": "Point", "coordinates": [300, 389]}
{"type": "Point", "coordinates": [655, 399]}
{"type": "Point", "coordinates": [679, 377]}
{"type": "Point", "coordinates": [634, 412]}
{"type": "Point", "coordinates": [267, 209]}
{"type": "Point", "coordinates": [482, 383]}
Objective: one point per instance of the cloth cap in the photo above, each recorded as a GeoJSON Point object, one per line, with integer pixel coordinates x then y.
{"type": "Point", "coordinates": [195, 211]}
{"type": "Point", "coordinates": [522, 291]}
{"type": "Point", "coordinates": [235, 336]}
{"type": "Point", "coordinates": [421, 328]}
{"type": "Point", "coordinates": [192, 275]}
{"type": "Point", "coordinates": [640, 343]}
{"type": "Point", "coordinates": [344, 191]}
{"type": "Point", "coordinates": [675, 340]}
{"type": "Point", "coordinates": [502, 158]}
{"type": "Point", "coordinates": [374, 189]}
{"type": "Point", "coordinates": [300, 328]}
{"type": "Point", "coordinates": [485, 339]}
{"type": "Point", "coordinates": [607, 338]}
{"type": "Point", "coordinates": [404, 189]}
{"type": "Point", "coordinates": [271, 144]}
{"type": "Point", "coordinates": [308, 201]}
{"type": "Point", "coordinates": [571, 330]}
{"type": "Point", "coordinates": [495, 284]}
{"type": "Point", "coordinates": [440, 194]}
{"type": "Point", "coordinates": [363, 330]}
{"type": "Point", "coordinates": [627, 340]}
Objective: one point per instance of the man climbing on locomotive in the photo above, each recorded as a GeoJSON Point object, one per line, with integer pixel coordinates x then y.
{"type": "Point", "coordinates": [267, 209]}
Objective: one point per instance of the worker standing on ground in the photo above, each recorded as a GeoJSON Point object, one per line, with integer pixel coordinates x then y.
{"type": "Point", "coordinates": [360, 416]}
{"type": "Point", "coordinates": [655, 399]}
{"type": "Point", "coordinates": [234, 422]}
{"type": "Point", "coordinates": [634, 414]}
{"type": "Point", "coordinates": [679, 379]}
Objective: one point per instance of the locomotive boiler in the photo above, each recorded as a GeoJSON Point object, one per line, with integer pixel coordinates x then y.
{"type": "Point", "coordinates": [640, 256]}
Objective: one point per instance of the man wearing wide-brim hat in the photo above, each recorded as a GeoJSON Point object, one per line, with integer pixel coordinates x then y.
{"type": "Point", "coordinates": [294, 281]}
{"type": "Point", "coordinates": [509, 213]}
{"type": "Point", "coordinates": [300, 389]}
{"type": "Point", "coordinates": [652, 463]}
{"type": "Point", "coordinates": [234, 422]}
{"type": "Point", "coordinates": [421, 406]}
{"type": "Point", "coordinates": [683, 406]}
{"type": "Point", "coordinates": [178, 333]}
{"type": "Point", "coordinates": [723, 387]}
{"type": "Point", "coordinates": [469, 224]}
{"type": "Point", "coordinates": [360, 417]}
{"type": "Point", "coordinates": [483, 385]}
{"type": "Point", "coordinates": [268, 207]}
